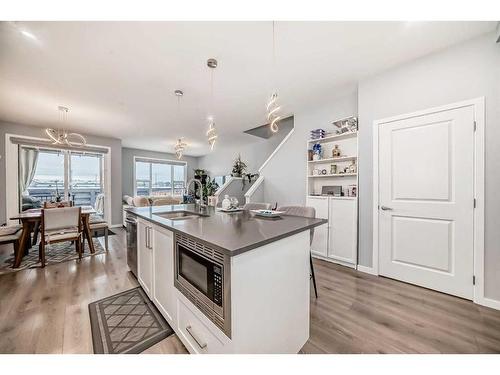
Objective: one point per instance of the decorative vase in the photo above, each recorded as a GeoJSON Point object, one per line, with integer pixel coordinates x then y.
{"type": "Point", "coordinates": [336, 152]}
{"type": "Point", "coordinates": [226, 203]}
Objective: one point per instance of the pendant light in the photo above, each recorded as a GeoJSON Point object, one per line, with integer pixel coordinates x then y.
{"type": "Point", "coordinates": [211, 132]}
{"type": "Point", "coordinates": [61, 136]}
{"type": "Point", "coordinates": [180, 146]}
{"type": "Point", "coordinates": [272, 107]}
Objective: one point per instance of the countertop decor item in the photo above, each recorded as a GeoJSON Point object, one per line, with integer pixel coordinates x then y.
{"type": "Point", "coordinates": [267, 213]}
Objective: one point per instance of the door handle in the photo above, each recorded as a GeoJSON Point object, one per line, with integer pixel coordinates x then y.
{"type": "Point", "coordinates": [385, 208]}
{"type": "Point", "coordinates": [202, 345]}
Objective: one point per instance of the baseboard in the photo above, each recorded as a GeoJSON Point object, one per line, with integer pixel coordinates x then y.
{"type": "Point", "coordinates": [488, 302]}
{"type": "Point", "coordinates": [331, 260]}
{"type": "Point", "coordinates": [365, 269]}
{"type": "Point", "coordinates": [116, 226]}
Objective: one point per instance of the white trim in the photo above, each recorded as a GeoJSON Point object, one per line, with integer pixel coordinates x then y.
{"type": "Point", "coordinates": [170, 162]}
{"type": "Point", "coordinates": [365, 269]}
{"type": "Point", "coordinates": [116, 225]}
{"type": "Point", "coordinates": [276, 150]}
{"type": "Point", "coordinates": [479, 168]}
{"type": "Point", "coordinates": [253, 188]}
{"type": "Point", "coordinates": [11, 174]}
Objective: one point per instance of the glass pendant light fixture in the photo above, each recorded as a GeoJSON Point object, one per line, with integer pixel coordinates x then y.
{"type": "Point", "coordinates": [61, 136]}
{"type": "Point", "coordinates": [211, 132]}
{"type": "Point", "coordinates": [272, 107]}
{"type": "Point", "coordinates": [180, 146]}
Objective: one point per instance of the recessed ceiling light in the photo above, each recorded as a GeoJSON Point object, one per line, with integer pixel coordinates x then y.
{"type": "Point", "coordinates": [27, 34]}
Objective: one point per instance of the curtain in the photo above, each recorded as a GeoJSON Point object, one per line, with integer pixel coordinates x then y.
{"type": "Point", "coordinates": [27, 166]}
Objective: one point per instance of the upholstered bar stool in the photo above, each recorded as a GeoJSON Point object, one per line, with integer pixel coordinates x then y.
{"type": "Point", "coordinates": [305, 212]}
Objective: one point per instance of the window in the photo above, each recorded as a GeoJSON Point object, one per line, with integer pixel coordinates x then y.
{"type": "Point", "coordinates": [61, 174]}
{"type": "Point", "coordinates": [159, 177]}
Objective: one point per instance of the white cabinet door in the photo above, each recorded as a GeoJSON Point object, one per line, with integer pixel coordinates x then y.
{"type": "Point", "coordinates": [320, 240]}
{"type": "Point", "coordinates": [343, 230]}
{"type": "Point", "coordinates": [163, 273]}
{"type": "Point", "coordinates": [145, 256]}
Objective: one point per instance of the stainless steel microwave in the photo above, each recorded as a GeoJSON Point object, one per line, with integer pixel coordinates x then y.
{"type": "Point", "coordinates": [202, 275]}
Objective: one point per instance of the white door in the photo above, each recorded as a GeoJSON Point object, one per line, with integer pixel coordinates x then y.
{"type": "Point", "coordinates": [319, 244]}
{"type": "Point", "coordinates": [343, 221]}
{"type": "Point", "coordinates": [426, 192]}
{"type": "Point", "coordinates": [163, 274]}
{"type": "Point", "coordinates": [145, 257]}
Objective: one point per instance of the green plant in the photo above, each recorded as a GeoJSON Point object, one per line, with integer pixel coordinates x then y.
{"type": "Point", "coordinates": [199, 172]}
{"type": "Point", "coordinates": [210, 188]}
{"type": "Point", "coordinates": [239, 167]}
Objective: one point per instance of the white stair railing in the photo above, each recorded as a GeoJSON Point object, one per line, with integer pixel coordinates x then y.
{"type": "Point", "coordinates": [256, 191]}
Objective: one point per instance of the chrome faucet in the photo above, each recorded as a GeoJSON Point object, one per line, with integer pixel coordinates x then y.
{"type": "Point", "coordinates": [202, 203]}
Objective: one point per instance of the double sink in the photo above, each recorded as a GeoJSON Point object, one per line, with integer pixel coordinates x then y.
{"type": "Point", "coordinates": [180, 215]}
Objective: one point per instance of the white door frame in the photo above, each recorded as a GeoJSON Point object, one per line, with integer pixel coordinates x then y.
{"type": "Point", "coordinates": [11, 174]}
{"type": "Point", "coordinates": [478, 106]}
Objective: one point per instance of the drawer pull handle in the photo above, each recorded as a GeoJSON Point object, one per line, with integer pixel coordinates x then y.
{"type": "Point", "coordinates": [200, 344]}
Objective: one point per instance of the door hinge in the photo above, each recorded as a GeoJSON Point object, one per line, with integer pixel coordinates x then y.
{"type": "Point", "coordinates": [474, 202]}
{"type": "Point", "coordinates": [473, 280]}
{"type": "Point", "coordinates": [475, 126]}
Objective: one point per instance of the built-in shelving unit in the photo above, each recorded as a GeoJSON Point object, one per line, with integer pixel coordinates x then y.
{"type": "Point", "coordinates": [335, 137]}
{"type": "Point", "coordinates": [337, 241]}
{"type": "Point", "coordinates": [339, 159]}
{"type": "Point", "coordinates": [335, 175]}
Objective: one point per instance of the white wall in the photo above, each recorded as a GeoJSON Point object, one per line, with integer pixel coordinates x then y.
{"type": "Point", "coordinates": [466, 71]}
{"type": "Point", "coordinates": [285, 174]}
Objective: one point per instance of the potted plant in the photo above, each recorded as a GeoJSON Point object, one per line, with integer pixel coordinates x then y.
{"type": "Point", "coordinates": [209, 190]}
{"type": "Point", "coordinates": [239, 167]}
{"type": "Point", "coordinates": [201, 174]}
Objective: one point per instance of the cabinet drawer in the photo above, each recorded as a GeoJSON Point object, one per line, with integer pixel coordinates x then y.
{"type": "Point", "coordinates": [197, 335]}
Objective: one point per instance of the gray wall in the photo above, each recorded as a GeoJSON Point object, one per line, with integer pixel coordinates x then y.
{"type": "Point", "coordinates": [31, 131]}
{"type": "Point", "coordinates": [220, 161]}
{"type": "Point", "coordinates": [128, 165]}
{"type": "Point", "coordinates": [285, 174]}
{"type": "Point", "coordinates": [466, 71]}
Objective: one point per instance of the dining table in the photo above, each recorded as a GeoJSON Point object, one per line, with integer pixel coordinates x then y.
{"type": "Point", "coordinates": [32, 217]}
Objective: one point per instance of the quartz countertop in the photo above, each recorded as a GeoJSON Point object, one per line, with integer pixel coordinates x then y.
{"type": "Point", "coordinates": [233, 233]}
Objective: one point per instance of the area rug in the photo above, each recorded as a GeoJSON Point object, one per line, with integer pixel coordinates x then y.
{"type": "Point", "coordinates": [126, 323]}
{"type": "Point", "coordinates": [54, 253]}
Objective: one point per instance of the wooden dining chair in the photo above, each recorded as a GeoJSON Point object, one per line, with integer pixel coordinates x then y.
{"type": "Point", "coordinates": [305, 212]}
{"type": "Point", "coordinates": [57, 204]}
{"type": "Point", "coordinates": [60, 225]}
{"type": "Point", "coordinates": [36, 229]}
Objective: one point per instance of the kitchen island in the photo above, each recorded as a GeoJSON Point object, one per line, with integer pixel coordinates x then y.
{"type": "Point", "coordinates": [227, 282]}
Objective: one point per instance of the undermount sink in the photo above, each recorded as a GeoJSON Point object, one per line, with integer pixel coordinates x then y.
{"type": "Point", "coordinates": [178, 215]}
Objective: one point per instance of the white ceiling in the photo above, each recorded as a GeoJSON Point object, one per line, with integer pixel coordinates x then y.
{"type": "Point", "coordinates": [118, 78]}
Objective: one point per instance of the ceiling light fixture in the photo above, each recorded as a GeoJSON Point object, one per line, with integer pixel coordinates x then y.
{"type": "Point", "coordinates": [180, 146]}
{"type": "Point", "coordinates": [61, 136]}
{"type": "Point", "coordinates": [211, 132]}
{"type": "Point", "coordinates": [272, 106]}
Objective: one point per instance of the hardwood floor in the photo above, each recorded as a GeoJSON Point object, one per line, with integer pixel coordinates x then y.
{"type": "Point", "coordinates": [46, 311]}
